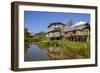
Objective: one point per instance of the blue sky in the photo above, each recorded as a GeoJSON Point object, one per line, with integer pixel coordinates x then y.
{"type": "Point", "coordinates": [37, 21]}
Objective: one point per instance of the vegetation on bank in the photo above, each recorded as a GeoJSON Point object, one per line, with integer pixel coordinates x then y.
{"type": "Point", "coordinates": [27, 39]}
{"type": "Point", "coordinates": [38, 37]}
{"type": "Point", "coordinates": [65, 44]}
{"type": "Point", "coordinates": [81, 49]}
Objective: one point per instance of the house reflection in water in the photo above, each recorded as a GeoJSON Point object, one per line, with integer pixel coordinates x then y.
{"type": "Point", "coordinates": [55, 53]}
{"type": "Point", "coordinates": [59, 53]}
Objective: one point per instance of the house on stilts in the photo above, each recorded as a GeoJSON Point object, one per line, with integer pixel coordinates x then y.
{"type": "Point", "coordinates": [58, 31]}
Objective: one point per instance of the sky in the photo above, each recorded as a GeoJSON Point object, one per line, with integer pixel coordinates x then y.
{"type": "Point", "coordinates": [37, 21]}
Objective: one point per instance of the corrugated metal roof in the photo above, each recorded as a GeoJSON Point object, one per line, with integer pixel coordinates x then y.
{"type": "Point", "coordinates": [79, 27]}
{"type": "Point", "coordinates": [56, 23]}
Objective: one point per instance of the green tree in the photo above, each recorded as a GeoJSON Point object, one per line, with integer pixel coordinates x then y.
{"type": "Point", "coordinates": [27, 38]}
{"type": "Point", "coordinates": [70, 22]}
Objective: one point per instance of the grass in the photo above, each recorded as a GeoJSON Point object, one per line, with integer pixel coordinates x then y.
{"type": "Point", "coordinates": [46, 44]}
{"type": "Point", "coordinates": [76, 49]}
{"type": "Point", "coordinates": [65, 44]}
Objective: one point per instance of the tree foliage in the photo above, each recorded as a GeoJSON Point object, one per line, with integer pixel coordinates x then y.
{"type": "Point", "coordinates": [27, 38]}
{"type": "Point", "coordinates": [70, 22]}
{"type": "Point", "coordinates": [39, 37]}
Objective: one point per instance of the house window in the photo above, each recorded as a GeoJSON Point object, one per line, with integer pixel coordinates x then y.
{"type": "Point", "coordinates": [57, 34]}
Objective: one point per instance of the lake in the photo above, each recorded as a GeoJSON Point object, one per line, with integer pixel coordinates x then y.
{"type": "Point", "coordinates": [35, 53]}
